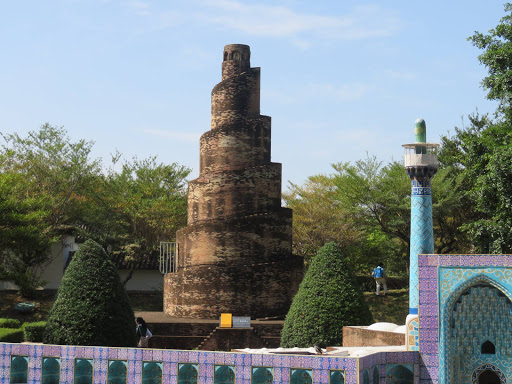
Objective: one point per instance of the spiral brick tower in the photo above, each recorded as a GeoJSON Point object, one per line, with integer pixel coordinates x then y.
{"type": "Point", "coordinates": [421, 166]}
{"type": "Point", "coordinates": [235, 254]}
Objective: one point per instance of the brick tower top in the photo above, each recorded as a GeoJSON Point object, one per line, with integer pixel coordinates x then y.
{"type": "Point", "coordinates": [237, 59]}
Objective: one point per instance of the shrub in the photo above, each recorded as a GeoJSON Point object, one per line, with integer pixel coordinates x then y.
{"type": "Point", "coordinates": [11, 335]}
{"type": "Point", "coordinates": [328, 298]}
{"type": "Point", "coordinates": [92, 307]}
{"type": "Point", "coordinates": [34, 331]}
{"type": "Point", "coordinates": [10, 323]}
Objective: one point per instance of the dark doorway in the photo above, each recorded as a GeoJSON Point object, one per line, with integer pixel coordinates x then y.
{"type": "Point", "coordinates": [488, 377]}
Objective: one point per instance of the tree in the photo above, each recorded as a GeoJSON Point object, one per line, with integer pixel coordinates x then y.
{"type": "Point", "coordinates": [328, 298]}
{"type": "Point", "coordinates": [479, 155]}
{"type": "Point", "coordinates": [25, 236]}
{"type": "Point", "coordinates": [497, 57]}
{"type": "Point", "coordinates": [140, 206]}
{"type": "Point", "coordinates": [40, 176]}
{"type": "Point", "coordinates": [318, 217]}
{"type": "Point", "coordinates": [92, 307]}
{"type": "Point", "coordinates": [56, 188]}
{"type": "Point", "coordinates": [378, 199]}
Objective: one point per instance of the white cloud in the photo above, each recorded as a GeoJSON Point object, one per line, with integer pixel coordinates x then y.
{"type": "Point", "coordinates": [174, 135]}
{"type": "Point", "coordinates": [278, 21]}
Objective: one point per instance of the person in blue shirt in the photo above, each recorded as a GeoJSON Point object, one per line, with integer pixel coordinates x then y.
{"type": "Point", "coordinates": [379, 274]}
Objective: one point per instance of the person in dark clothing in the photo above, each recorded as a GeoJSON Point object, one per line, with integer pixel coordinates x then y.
{"type": "Point", "coordinates": [142, 332]}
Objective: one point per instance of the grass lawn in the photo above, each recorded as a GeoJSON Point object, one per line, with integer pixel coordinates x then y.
{"type": "Point", "coordinates": [392, 308]}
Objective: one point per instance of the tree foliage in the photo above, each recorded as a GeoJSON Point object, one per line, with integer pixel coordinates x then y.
{"type": "Point", "coordinates": [318, 217]}
{"type": "Point", "coordinates": [328, 298]}
{"type": "Point", "coordinates": [50, 186]}
{"type": "Point", "coordinates": [92, 307]}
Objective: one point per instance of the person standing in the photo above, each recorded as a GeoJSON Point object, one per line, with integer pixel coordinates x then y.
{"type": "Point", "coordinates": [142, 332]}
{"type": "Point", "coordinates": [379, 274]}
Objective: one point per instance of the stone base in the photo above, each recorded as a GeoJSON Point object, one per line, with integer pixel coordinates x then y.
{"type": "Point", "coordinates": [206, 291]}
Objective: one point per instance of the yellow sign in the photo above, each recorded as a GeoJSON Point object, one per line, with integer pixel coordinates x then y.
{"type": "Point", "coordinates": [226, 320]}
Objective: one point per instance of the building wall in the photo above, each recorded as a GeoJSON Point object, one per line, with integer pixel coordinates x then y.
{"type": "Point", "coordinates": [142, 280]}
{"type": "Point", "coordinates": [130, 363]}
{"type": "Point", "coordinates": [444, 281]}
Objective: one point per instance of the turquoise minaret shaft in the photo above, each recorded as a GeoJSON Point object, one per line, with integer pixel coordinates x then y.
{"type": "Point", "coordinates": [421, 166]}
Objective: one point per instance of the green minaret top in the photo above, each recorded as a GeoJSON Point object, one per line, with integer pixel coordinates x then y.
{"type": "Point", "coordinates": [420, 133]}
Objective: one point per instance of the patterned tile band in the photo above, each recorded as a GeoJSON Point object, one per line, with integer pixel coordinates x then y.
{"type": "Point", "coordinates": [422, 235]}
{"type": "Point", "coordinates": [22, 363]}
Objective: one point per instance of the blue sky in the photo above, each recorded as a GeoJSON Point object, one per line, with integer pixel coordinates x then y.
{"type": "Point", "coordinates": [339, 78]}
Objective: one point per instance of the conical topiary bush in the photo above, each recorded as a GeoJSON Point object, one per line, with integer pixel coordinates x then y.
{"type": "Point", "coordinates": [328, 298]}
{"type": "Point", "coordinates": [92, 307]}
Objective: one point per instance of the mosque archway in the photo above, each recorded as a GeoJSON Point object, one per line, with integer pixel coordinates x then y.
{"type": "Point", "coordinates": [479, 332]}
{"type": "Point", "coordinates": [488, 374]}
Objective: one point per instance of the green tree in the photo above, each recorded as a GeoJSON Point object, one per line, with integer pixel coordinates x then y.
{"type": "Point", "coordinates": [41, 176]}
{"type": "Point", "coordinates": [92, 307]}
{"type": "Point", "coordinates": [141, 205]}
{"type": "Point", "coordinates": [318, 217]}
{"type": "Point", "coordinates": [497, 57]}
{"type": "Point", "coordinates": [479, 155]}
{"type": "Point", "coordinates": [378, 199]}
{"type": "Point", "coordinates": [25, 236]}
{"type": "Point", "coordinates": [328, 298]}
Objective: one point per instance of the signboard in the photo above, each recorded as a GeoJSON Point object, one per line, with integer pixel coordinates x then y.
{"type": "Point", "coordinates": [241, 322]}
{"type": "Point", "coordinates": [225, 320]}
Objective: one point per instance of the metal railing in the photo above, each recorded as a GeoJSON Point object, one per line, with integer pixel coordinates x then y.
{"type": "Point", "coordinates": [168, 256]}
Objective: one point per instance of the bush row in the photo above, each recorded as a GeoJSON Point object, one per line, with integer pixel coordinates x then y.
{"type": "Point", "coordinates": [11, 331]}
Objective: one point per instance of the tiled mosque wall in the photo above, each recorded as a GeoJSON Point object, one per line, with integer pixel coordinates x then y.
{"type": "Point", "coordinates": [465, 302]}
{"type": "Point", "coordinates": [21, 363]}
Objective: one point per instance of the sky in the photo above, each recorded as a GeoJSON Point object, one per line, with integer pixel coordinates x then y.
{"type": "Point", "coordinates": [341, 79]}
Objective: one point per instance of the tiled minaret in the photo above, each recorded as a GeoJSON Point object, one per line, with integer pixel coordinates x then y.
{"type": "Point", "coordinates": [421, 165]}
{"type": "Point", "coordinates": [235, 255]}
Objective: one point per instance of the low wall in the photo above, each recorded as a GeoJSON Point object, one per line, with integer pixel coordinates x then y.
{"type": "Point", "coordinates": [132, 365]}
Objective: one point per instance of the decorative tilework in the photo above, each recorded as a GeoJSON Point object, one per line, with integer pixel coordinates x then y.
{"type": "Point", "coordinates": [337, 377]}
{"type": "Point", "coordinates": [117, 372]}
{"type": "Point", "coordinates": [453, 282]}
{"type": "Point", "coordinates": [19, 369]}
{"type": "Point", "coordinates": [375, 375]}
{"type": "Point", "coordinates": [412, 333]}
{"type": "Point", "coordinates": [366, 376]}
{"type": "Point", "coordinates": [317, 369]}
{"type": "Point", "coordinates": [224, 374]}
{"type": "Point", "coordinates": [399, 374]}
{"type": "Point", "coordinates": [152, 372]}
{"type": "Point", "coordinates": [50, 371]}
{"type": "Point", "coordinates": [301, 376]}
{"type": "Point", "coordinates": [422, 235]}
{"type": "Point", "coordinates": [187, 373]}
{"type": "Point", "coordinates": [262, 375]}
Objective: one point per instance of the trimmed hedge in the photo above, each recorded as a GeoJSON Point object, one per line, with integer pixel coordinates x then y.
{"type": "Point", "coordinates": [34, 332]}
{"type": "Point", "coordinates": [328, 298]}
{"type": "Point", "coordinates": [92, 307]}
{"type": "Point", "coordinates": [11, 335]}
{"type": "Point", "coordinates": [10, 323]}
